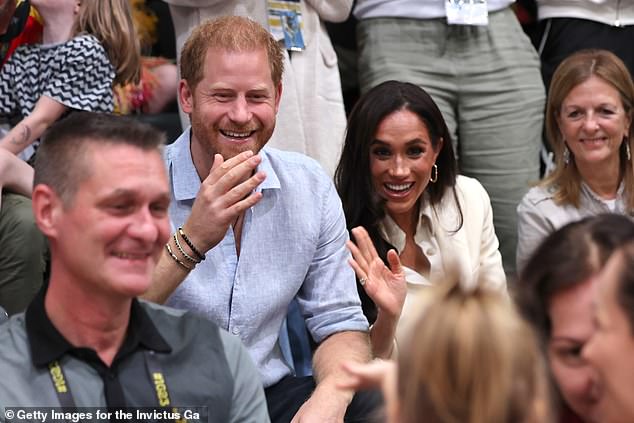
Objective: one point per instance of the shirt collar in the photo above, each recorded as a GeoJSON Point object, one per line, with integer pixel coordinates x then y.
{"type": "Point", "coordinates": [47, 344]}
{"type": "Point", "coordinates": [391, 232]}
{"type": "Point", "coordinates": [271, 181]}
{"type": "Point", "coordinates": [590, 193]}
{"type": "Point", "coordinates": [185, 177]}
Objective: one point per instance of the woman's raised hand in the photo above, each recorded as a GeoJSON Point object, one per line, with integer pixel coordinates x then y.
{"type": "Point", "coordinates": [385, 286]}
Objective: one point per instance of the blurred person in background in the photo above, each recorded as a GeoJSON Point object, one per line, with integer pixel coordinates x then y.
{"type": "Point", "coordinates": [555, 294]}
{"type": "Point", "coordinates": [468, 357]}
{"type": "Point", "coordinates": [611, 347]}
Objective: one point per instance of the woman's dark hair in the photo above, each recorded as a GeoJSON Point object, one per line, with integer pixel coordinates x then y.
{"type": "Point", "coordinates": [568, 257]}
{"type": "Point", "coordinates": [361, 204]}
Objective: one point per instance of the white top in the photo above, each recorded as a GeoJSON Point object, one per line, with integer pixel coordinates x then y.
{"type": "Point", "coordinates": [472, 250]}
{"type": "Point", "coordinates": [413, 9]}
{"type": "Point", "coordinates": [610, 12]}
{"type": "Point", "coordinates": [426, 239]}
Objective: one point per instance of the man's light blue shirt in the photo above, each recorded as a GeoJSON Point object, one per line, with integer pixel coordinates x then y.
{"type": "Point", "coordinates": [293, 245]}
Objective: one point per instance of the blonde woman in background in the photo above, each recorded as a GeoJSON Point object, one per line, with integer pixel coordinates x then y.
{"type": "Point", "coordinates": [588, 124]}
{"type": "Point", "coordinates": [468, 358]}
{"type": "Point", "coordinates": [86, 48]}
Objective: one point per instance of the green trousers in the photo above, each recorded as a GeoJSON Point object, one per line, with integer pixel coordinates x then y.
{"type": "Point", "coordinates": [22, 253]}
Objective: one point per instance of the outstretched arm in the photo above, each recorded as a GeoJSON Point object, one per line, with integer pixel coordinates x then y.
{"type": "Point", "coordinates": [29, 129]}
{"type": "Point", "coordinates": [385, 286]}
{"type": "Point", "coordinates": [329, 401]}
{"type": "Point", "coordinates": [375, 374]}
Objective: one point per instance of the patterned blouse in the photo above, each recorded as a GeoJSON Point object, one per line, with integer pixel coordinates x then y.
{"type": "Point", "coordinates": [76, 73]}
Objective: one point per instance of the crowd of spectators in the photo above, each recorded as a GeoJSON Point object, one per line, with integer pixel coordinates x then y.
{"type": "Point", "coordinates": [243, 242]}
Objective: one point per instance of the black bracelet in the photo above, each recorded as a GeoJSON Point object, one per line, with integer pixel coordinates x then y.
{"type": "Point", "coordinates": [190, 244]}
{"type": "Point", "coordinates": [183, 252]}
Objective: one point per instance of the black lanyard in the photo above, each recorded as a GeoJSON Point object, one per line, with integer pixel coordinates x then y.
{"type": "Point", "coordinates": [61, 386]}
{"type": "Point", "coordinates": [158, 379]}
{"type": "Point", "coordinates": [66, 400]}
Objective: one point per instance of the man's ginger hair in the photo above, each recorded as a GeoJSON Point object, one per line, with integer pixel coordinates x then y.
{"type": "Point", "coordinates": [230, 33]}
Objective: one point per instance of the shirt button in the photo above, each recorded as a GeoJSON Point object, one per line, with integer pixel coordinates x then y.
{"type": "Point", "coordinates": [431, 251]}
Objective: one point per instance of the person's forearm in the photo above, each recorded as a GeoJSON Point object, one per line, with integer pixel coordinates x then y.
{"type": "Point", "coordinates": [15, 174]}
{"type": "Point", "coordinates": [44, 114]}
{"type": "Point", "coordinates": [167, 276]}
{"type": "Point", "coordinates": [382, 335]}
{"type": "Point", "coordinates": [20, 137]}
{"type": "Point", "coordinates": [332, 352]}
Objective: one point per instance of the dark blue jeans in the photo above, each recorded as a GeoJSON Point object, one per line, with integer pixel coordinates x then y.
{"type": "Point", "coordinates": [287, 396]}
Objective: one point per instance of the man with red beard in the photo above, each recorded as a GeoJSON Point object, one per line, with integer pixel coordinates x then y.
{"type": "Point", "coordinates": [256, 227]}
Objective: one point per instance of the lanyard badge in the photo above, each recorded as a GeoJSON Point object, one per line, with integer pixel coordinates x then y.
{"type": "Point", "coordinates": [285, 23]}
{"type": "Point", "coordinates": [467, 12]}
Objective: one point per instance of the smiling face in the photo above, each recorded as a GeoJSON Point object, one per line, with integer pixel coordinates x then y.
{"type": "Point", "coordinates": [109, 238]}
{"type": "Point", "coordinates": [593, 122]}
{"type": "Point", "coordinates": [233, 108]}
{"type": "Point", "coordinates": [401, 160]}
{"type": "Point", "coordinates": [611, 348]}
{"type": "Point", "coordinates": [570, 312]}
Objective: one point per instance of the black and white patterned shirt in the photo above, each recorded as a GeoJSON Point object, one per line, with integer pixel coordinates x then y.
{"type": "Point", "coordinates": [76, 73]}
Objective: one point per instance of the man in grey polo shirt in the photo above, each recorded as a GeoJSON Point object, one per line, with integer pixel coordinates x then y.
{"type": "Point", "coordinates": [101, 198]}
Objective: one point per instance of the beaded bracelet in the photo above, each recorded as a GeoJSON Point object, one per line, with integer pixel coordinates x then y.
{"type": "Point", "coordinates": [187, 256]}
{"type": "Point", "coordinates": [190, 244]}
{"type": "Point", "coordinates": [176, 259]}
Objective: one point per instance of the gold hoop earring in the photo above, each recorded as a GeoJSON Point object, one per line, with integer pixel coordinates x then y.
{"type": "Point", "coordinates": [434, 174]}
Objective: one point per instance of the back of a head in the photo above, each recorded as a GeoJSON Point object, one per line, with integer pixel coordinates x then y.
{"type": "Point", "coordinates": [565, 258]}
{"type": "Point", "coordinates": [110, 21]}
{"type": "Point", "coordinates": [230, 33]}
{"type": "Point", "coordinates": [625, 286]}
{"type": "Point", "coordinates": [61, 158]}
{"type": "Point", "coordinates": [471, 359]}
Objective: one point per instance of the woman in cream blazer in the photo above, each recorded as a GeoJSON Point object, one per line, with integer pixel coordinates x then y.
{"type": "Point", "coordinates": [407, 207]}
